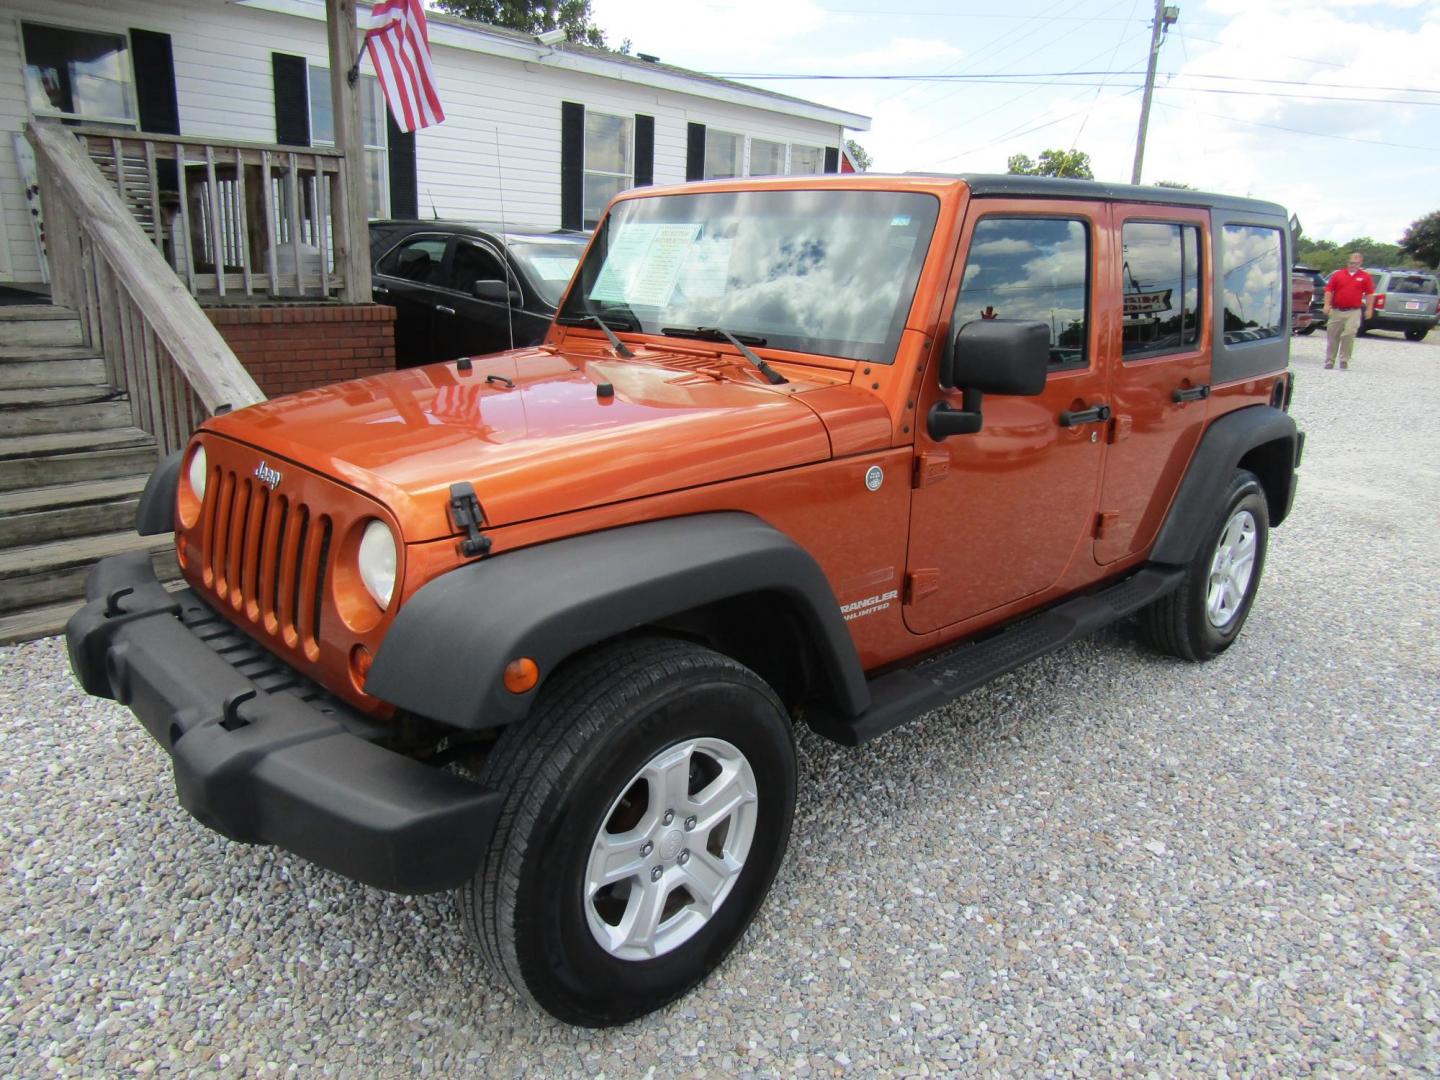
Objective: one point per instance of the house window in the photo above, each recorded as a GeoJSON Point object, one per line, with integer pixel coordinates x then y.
{"type": "Point", "coordinates": [722, 155]}
{"type": "Point", "coordinates": [78, 74]}
{"type": "Point", "coordinates": [806, 160]}
{"type": "Point", "coordinates": [609, 161]}
{"type": "Point", "coordinates": [372, 130]}
{"type": "Point", "coordinates": [767, 158]}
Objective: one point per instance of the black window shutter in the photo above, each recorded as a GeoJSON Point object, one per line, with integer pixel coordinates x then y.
{"type": "Point", "coordinates": [292, 100]}
{"type": "Point", "coordinates": [695, 152]}
{"type": "Point", "coordinates": [644, 150]}
{"type": "Point", "coordinates": [572, 165]}
{"type": "Point", "coordinates": [832, 159]}
{"type": "Point", "coordinates": [155, 82]}
{"type": "Point", "coordinates": [404, 189]}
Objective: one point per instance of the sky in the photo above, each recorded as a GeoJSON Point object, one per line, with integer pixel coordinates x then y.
{"type": "Point", "coordinates": [1329, 107]}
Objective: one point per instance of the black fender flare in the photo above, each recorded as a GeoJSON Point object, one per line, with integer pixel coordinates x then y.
{"type": "Point", "coordinates": [156, 512]}
{"type": "Point", "coordinates": [445, 654]}
{"type": "Point", "coordinates": [1222, 449]}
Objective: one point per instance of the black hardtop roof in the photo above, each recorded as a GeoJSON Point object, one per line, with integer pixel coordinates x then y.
{"type": "Point", "coordinates": [1051, 187]}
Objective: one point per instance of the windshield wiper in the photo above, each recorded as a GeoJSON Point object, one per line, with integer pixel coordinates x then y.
{"type": "Point", "coordinates": [595, 320]}
{"type": "Point", "coordinates": [714, 333]}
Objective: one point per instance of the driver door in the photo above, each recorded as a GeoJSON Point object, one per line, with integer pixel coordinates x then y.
{"type": "Point", "coordinates": [1001, 515]}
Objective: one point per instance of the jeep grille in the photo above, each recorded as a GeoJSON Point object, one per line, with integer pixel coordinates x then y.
{"type": "Point", "coordinates": [265, 555]}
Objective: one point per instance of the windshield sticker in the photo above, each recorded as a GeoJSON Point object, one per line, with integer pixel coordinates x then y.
{"type": "Point", "coordinates": [643, 264]}
{"type": "Point", "coordinates": [554, 267]}
{"type": "Point", "coordinates": [899, 220]}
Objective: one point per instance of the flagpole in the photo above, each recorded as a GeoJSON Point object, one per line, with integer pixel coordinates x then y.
{"type": "Point", "coordinates": [352, 242]}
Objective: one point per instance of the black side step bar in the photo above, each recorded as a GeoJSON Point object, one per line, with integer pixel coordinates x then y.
{"type": "Point", "coordinates": [899, 696]}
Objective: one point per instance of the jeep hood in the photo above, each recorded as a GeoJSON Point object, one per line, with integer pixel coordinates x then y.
{"type": "Point", "coordinates": [533, 433]}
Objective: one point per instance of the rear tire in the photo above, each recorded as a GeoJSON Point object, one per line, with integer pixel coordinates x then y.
{"type": "Point", "coordinates": [649, 798]}
{"type": "Point", "coordinates": [1202, 618]}
{"type": "Point", "coordinates": [1415, 335]}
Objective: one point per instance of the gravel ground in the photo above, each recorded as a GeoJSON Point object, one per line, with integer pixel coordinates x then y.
{"type": "Point", "coordinates": [1105, 864]}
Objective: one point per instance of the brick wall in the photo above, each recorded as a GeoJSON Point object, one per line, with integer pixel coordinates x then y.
{"type": "Point", "coordinates": [290, 347]}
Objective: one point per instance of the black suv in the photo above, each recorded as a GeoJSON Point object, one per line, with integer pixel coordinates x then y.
{"type": "Point", "coordinates": [1404, 300]}
{"type": "Point", "coordinates": [1318, 318]}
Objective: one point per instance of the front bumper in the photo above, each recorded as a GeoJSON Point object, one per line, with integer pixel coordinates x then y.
{"type": "Point", "coordinates": [263, 756]}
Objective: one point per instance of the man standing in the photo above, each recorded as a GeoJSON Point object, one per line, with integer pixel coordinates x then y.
{"type": "Point", "coordinates": [1347, 293]}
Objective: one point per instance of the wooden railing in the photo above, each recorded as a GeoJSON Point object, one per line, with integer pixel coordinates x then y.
{"type": "Point", "coordinates": [158, 345]}
{"type": "Point", "coordinates": [232, 219]}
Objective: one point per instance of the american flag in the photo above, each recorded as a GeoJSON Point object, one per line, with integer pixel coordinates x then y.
{"type": "Point", "coordinates": [400, 50]}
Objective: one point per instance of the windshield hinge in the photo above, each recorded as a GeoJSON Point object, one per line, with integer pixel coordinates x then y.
{"type": "Point", "coordinates": [467, 517]}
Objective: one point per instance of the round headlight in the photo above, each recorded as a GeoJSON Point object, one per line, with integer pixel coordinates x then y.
{"type": "Point", "coordinates": [198, 473]}
{"type": "Point", "coordinates": [376, 561]}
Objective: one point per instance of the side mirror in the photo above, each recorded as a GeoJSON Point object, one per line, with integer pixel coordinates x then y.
{"type": "Point", "coordinates": [988, 356]}
{"type": "Point", "coordinates": [495, 292]}
{"type": "Point", "coordinates": [997, 356]}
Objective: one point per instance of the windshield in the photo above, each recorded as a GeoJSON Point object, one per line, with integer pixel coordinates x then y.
{"type": "Point", "coordinates": [549, 262]}
{"type": "Point", "coordinates": [830, 272]}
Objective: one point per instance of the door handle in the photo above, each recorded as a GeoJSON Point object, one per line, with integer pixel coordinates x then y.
{"type": "Point", "coordinates": [1093, 415]}
{"type": "Point", "coordinates": [381, 289]}
{"type": "Point", "coordinates": [443, 310]}
{"type": "Point", "coordinates": [1190, 393]}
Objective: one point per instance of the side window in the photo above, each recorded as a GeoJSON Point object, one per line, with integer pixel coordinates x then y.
{"type": "Point", "coordinates": [472, 263]}
{"type": "Point", "coordinates": [1032, 269]}
{"type": "Point", "coordinates": [1250, 266]}
{"type": "Point", "coordinates": [1161, 271]}
{"type": "Point", "coordinates": [416, 260]}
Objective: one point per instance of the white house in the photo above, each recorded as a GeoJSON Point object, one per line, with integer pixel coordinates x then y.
{"type": "Point", "coordinates": [534, 134]}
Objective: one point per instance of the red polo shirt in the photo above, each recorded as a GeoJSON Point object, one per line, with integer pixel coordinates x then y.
{"type": "Point", "coordinates": [1348, 288]}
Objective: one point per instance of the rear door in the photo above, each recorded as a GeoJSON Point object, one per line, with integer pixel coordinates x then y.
{"type": "Point", "coordinates": [1159, 381]}
{"type": "Point", "coordinates": [1001, 515]}
{"type": "Point", "coordinates": [407, 278]}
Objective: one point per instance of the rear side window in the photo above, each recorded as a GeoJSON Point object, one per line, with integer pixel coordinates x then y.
{"type": "Point", "coordinates": [417, 260]}
{"type": "Point", "coordinates": [1253, 285]}
{"type": "Point", "coordinates": [1161, 271]}
{"type": "Point", "coordinates": [1420, 284]}
{"type": "Point", "coordinates": [1032, 269]}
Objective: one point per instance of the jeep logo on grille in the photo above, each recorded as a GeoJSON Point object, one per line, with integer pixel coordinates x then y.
{"type": "Point", "coordinates": [267, 476]}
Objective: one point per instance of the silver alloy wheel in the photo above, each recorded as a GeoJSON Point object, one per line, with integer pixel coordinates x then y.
{"type": "Point", "coordinates": [1230, 569]}
{"type": "Point", "coordinates": [670, 849]}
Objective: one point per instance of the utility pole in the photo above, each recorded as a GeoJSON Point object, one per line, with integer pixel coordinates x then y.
{"type": "Point", "coordinates": [1164, 17]}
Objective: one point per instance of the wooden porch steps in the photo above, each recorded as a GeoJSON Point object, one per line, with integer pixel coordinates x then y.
{"type": "Point", "coordinates": [72, 467]}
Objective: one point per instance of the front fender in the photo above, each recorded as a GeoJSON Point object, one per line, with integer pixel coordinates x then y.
{"type": "Point", "coordinates": [447, 650]}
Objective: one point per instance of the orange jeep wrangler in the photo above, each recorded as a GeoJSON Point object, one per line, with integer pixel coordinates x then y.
{"type": "Point", "coordinates": [537, 626]}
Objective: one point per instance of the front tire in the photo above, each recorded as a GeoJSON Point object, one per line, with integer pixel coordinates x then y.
{"type": "Point", "coordinates": [649, 801]}
{"type": "Point", "coordinates": [1202, 618]}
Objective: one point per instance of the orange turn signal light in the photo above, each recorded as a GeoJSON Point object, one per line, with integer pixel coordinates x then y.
{"type": "Point", "coordinates": [521, 675]}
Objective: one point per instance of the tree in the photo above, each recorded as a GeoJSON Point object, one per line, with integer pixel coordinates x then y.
{"type": "Point", "coordinates": [1422, 240]}
{"type": "Point", "coordinates": [1075, 163]}
{"type": "Point", "coordinates": [862, 159]}
{"type": "Point", "coordinates": [532, 16]}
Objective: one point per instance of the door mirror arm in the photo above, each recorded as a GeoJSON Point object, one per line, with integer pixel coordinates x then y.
{"type": "Point", "coordinates": [942, 421]}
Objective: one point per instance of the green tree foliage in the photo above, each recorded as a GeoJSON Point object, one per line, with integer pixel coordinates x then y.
{"type": "Point", "coordinates": [532, 16]}
{"type": "Point", "coordinates": [1073, 163]}
{"type": "Point", "coordinates": [1326, 255]}
{"type": "Point", "coordinates": [1422, 240]}
{"type": "Point", "coordinates": [862, 159]}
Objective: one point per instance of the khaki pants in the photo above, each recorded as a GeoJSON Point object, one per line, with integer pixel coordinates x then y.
{"type": "Point", "coordinates": [1340, 334]}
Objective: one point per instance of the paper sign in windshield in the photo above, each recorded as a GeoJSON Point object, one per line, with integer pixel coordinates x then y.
{"type": "Point", "coordinates": [644, 263]}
